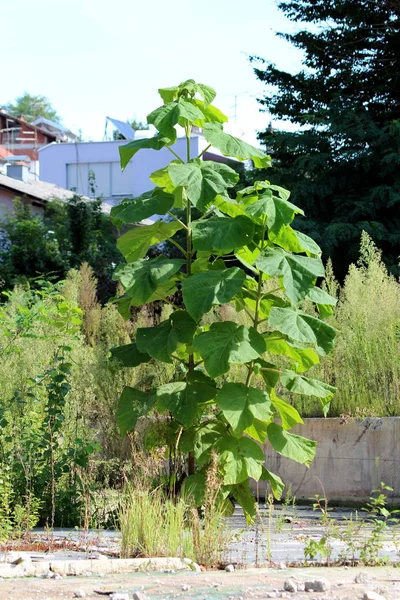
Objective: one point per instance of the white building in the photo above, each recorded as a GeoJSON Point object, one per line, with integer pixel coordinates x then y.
{"type": "Point", "coordinates": [93, 168]}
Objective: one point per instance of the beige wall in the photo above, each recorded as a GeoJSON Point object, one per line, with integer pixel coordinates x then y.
{"type": "Point", "coordinates": [6, 202]}
{"type": "Point", "coordinates": [351, 459]}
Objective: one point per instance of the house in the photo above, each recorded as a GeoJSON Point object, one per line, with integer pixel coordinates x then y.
{"type": "Point", "coordinates": [18, 184]}
{"type": "Point", "coordinates": [21, 138]}
{"type": "Point", "coordinates": [93, 168]}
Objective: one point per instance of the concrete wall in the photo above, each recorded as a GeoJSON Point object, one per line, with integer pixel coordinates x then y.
{"type": "Point", "coordinates": [352, 458]}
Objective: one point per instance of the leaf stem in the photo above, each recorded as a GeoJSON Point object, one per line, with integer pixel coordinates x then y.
{"type": "Point", "coordinates": [204, 151]}
{"type": "Point", "coordinates": [175, 154]}
{"type": "Point", "coordinates": [178, 246]}
{"type": "Point", "coordinates": [176, 219]}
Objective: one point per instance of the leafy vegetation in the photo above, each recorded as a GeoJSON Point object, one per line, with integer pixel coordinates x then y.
{"type": "Point", "coordinates": [279, 269]}
{"type": "Point", "coordinates": [342, 162]}
{"type": "Point", "coordinates": [367, 318]}
{"type": "Point", "coordinates": [68, 235]}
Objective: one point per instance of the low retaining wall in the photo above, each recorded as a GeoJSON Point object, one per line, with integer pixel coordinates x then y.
{"type": "Point", "coordinates": [352, 458]}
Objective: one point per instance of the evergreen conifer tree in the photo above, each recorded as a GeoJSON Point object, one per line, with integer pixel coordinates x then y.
{"type": "Point", "coordinates": [343, 161]}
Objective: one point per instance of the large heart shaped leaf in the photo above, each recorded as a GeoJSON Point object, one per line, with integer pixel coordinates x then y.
{"type": "Point", "coordinates": [298, 384]}
{"type": "Point", "coordinates": [129, 355]}
{"type": "Point", "coordinates": [204, 180]}
{"type": "Point", "coordinates": [276, 483]}
{"type": "Point", "coordinates": [288, 414]}
{"type": "Point", "coordinates": [295, 447]}
{"type": "Point", "coordinates": [132, 405]}
{"type": "Point", "coordinates": [141, 278]}
{"type": "Point", "coordinates": [223, 234]}
{"type": "Point", "coordinates": [179, 112]}
{"type": "Point", "coordinates": [184, 399]}
{"type": "Point", "coordinates": [303, 328]}
{"type": "Point", "coordinates": [302, 358]}
{"type": "Point", "coordinates": [298, 272]}
{"type": "Point", "coordinates": [128, 151]}
{"type": "Point", "coordinates": [278, 212]}
{"type": "Point", "coordinates": [202, 290]}
{"type": "Point", "coordinates": [232, 146]}
{"type": "Point", "coordinates": [161, 341]}
{"type": "Point", "coordinates": [135, 243]}
{"type": "Point", "coordinates": [157, 202]}
{"type": "Point", "coordinates": [241, 458]}
{"type": "Point", "coordinates": [226, 343]}
{"type": "Point", "coordinates": [241, 405]}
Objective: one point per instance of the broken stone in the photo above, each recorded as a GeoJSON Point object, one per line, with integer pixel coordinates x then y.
{"type": "Point", "coordinates": [79, 594]}
{"type": "Point", "coordinates": [281, 565]}
{"type": "Point", "coordinates": [370, 595]}
{"type": "Point", "coordinates": [317, 585]}
{"type": "Point", "coordinates": [120, 596]}
{"type": "Point", "coordinates": [138, 596]}
{"type": "Point", "coordinates": [185, 587]}
{"type": "Point", "coordinates": [290, 586]}
{"type": "Point", "coordinates": [362, 578]}
{"type": "Point", "coordinates": [229, 568]}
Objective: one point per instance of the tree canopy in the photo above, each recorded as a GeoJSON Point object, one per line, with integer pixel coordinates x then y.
{"type": "Point", "coordinates": [342, 163]}
{"type": "Point", "coordinates": [31, 108]}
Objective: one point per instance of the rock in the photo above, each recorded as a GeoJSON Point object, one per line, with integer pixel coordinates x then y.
{"type": "Point", "coordinates": [229, 568]}
{"type": "Point", "coordinates": [362, 578]}
{"type": "Point", "coordinates": [317, 585]}
{"type": "Point", "coordinates": [300, 586]}
{"type": "Point", "coordinates": [290, 586]}
{"type": "Point", "coordinates": [120, 596]}
{"type": "Point", "coordinates": [185, 587]}
{"type": "Point", "coordinates": [79, 594]}
{"type": "Point", "coordinates": [56, 576]}
{"type": "Point", "coordinates": [271, 595]}
{"type": "Point", "coordinates": [138, 596]}
{"type": "Point", "coordinates": [281, 565]}
{"type": "Point", "coordinates": [370, 595]}
{"type": "Point", "coordinates": [195, 567]}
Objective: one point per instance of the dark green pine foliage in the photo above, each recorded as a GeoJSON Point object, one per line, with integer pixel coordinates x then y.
{"type": "Point", "coordinates": [343, 162]}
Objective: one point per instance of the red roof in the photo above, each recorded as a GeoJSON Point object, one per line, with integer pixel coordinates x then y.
{"type": "Point", "coordinates": [4, 152]}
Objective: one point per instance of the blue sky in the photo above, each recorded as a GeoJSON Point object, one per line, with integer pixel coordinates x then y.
{"type": "Point", "coordinates": [94, 58]}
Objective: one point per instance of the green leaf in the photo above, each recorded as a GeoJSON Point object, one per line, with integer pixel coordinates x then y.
{"type": "Point", "coordinates": [157, 202]}
{"type": "Point", "coordinates": [241, 405]}
{"type": "Point", "coordinates": [202, 290]}
{"type": "Point", "coordinates": [232, 146]}
{"type": "Point", "coordinates": [135, 243]}
{"type": "Point", "coordinates": [288, 414]}
{"type": "Point", "coordinates": [298, 384]}
{"type": "Point", "coordinates": [244, 496]}
{"type": "Point", "coordinates": [298, 272]}
{"type": "Point", "coordinates": [168, 94]}
{"type": "Point", "coordinates": [226, 343]}
{"type": "Point", "coordinates": [204, 180]}
{"type": "Point", "coordinates": [228, 206]}
{"type": "Point", "coordinates": [307, 244]}
{"type": "Point", "coordinates": [132, 404]}
{"type": "Point", "coordinates": [279, 212]}
{"type": "Point", "coordinates": [184, 399]}
{"type": "Point", "coordinates": [304, 358]}
{"type": "Point", "coordinates": [276, 483]}
{"type": "Point", "coordinates": [128, 151]}
{"type": "Point", "coordinates": [165, 289]}
{"type": "Point", "coordinates": [129, 355]}
{"type": "Point", "coordinates": [268, 372]}
{"type": "Point", "coordinates": [179, 112]}
{"type": "Point", "coordinates": [303, 328]}
{"type": "Point", "coordinates": [323, 300]}
{"type": "Point", "coordinates": [205, 441]}
{"type": "Point", "coordinates": [211, 113]}
{"type": "Point", "coordinates": [161, 341]}
{"type": "Point", "coordinates": [248, 257]}
{"type": "Point", "coordinates": [258, 431]}
{"type": "Point", "coordinates": [222, 233]}
{"type": "Point", "coordinates": [141, 278]}
{"type": "Point", "coordinates": [241, 458]}
{"type": "Point", "coordinates": [295, 447]}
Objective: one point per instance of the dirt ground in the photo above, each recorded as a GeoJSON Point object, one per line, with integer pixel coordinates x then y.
{"type": "Point", "coordinates": [344, 583]}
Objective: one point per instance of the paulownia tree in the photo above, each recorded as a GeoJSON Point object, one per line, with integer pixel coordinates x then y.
{"type": "Point", "coordinates": [215, 408]}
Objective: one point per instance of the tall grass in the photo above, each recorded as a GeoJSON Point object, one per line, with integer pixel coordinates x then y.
{"type": "Point", "coordinates": [365, 365]}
